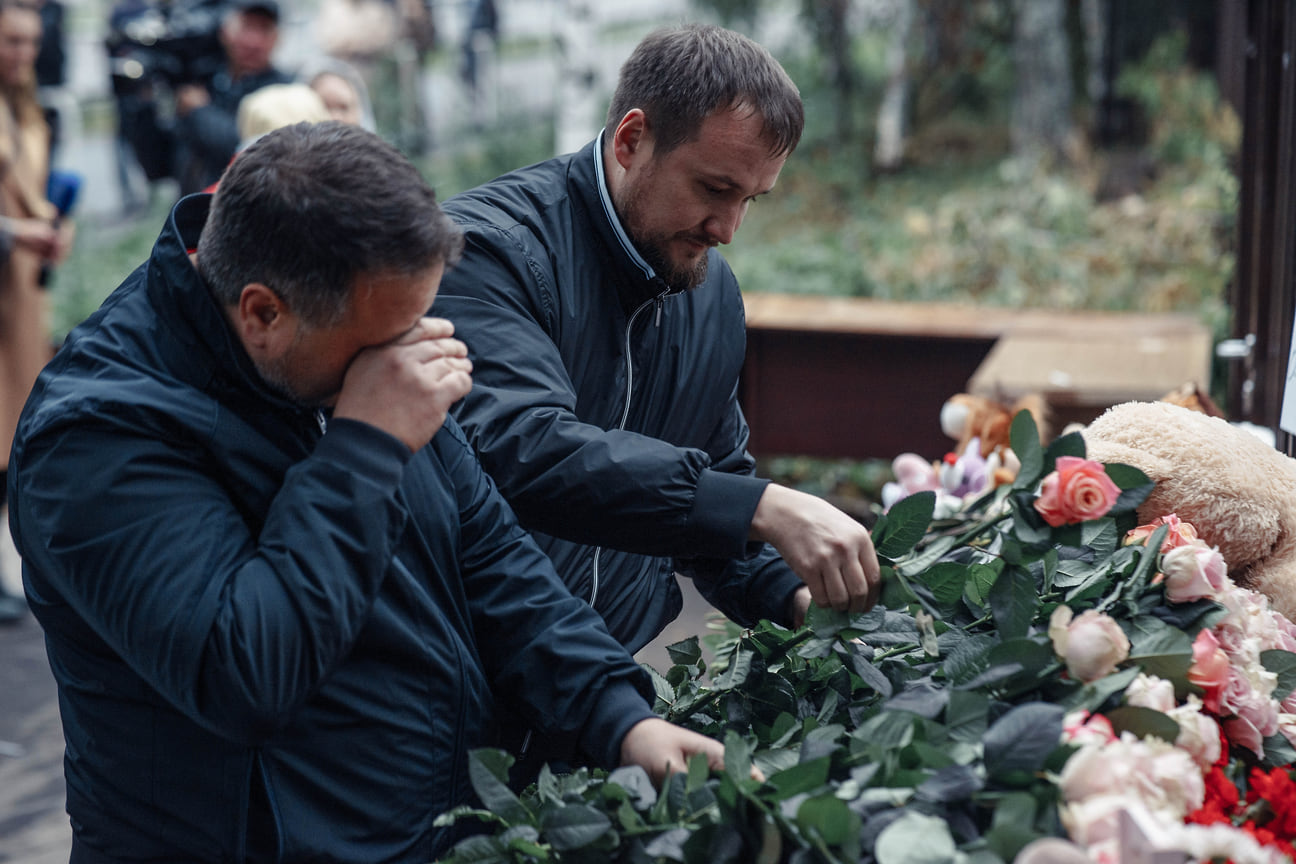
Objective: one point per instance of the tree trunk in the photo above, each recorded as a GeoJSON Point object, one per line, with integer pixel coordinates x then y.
{"type": "Point", "coordinates": [888, 152]}
{"type": "Point", "coordinates": [1041, 117]}
{"type": "Point", "coordinates": [577, 105]}
{"type": "Point", "coordinates": [830, 19]}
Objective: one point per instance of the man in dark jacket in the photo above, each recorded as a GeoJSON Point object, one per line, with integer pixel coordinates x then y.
{"type": "Point", "coordinates": [275, 612]}
{"type": "Point", "coordinates": [607, 336]}
{"type": "Point", "coordinates": [207, 133]}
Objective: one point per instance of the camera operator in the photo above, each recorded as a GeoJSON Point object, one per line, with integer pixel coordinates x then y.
{"type": "Point", "coordinates": [206, 113]}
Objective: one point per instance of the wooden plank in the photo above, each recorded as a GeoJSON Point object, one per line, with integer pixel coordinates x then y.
{"type": "Point", "coordinates": [856, 378]}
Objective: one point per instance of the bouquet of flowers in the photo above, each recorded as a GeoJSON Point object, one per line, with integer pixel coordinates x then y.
{"type": "Point", "coordinates": [1044, 680]}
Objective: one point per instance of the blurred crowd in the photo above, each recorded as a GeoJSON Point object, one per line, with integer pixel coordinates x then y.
{"type": "Point", "coordinates": [193, 82]}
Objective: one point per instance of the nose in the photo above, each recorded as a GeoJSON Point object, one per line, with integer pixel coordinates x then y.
{"type": "Point", "coordinates": [723, 224]}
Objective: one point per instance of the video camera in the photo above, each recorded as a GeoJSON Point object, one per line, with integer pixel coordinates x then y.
{"type": "Point", "coordinates": [153, 47]}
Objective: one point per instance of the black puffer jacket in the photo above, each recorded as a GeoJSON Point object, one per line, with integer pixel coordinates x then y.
{"type": "Point", "coordinates": [274, 642]}
{"type": "Point", "coordinates": [606, 408]}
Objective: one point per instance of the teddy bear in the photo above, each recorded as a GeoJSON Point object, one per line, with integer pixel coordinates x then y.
{"type": "Point", "coordinates": [965, 416]}
{"type": "Point", "coordinates": [1235, 489]}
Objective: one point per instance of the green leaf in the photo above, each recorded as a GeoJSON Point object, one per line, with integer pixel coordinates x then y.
{"type": "Point", "coordinates": [1283, 664]}
{"type": "Point", "coordinates": [1011, 827]}
{"type": "Point", "coordinates": [488, 771]}
{"type": "Point", "coordinates": [1013, 601]}
{"type": "Point", "coordinates": [686, 652]}
{"type": "Point", "coordinates": [1071, 444]}
{"type": "Point", "coordinates": [906, 523]}
{"type": "Point", "coordinates": [916, 838]}
{"type": "Point", "coordinates": [1031, 658]}
{"type": "Point", "coordinates": [637, 784]}
{"type": "Point", "coordinates": [735, 674]}
{"type": "Point", "coordinates": [662, 688]}
{"type": "Point", "coordinates": [929, 555]}
{"type": "Point", "coordinates": [1134, 485]}
{"type": "Point", "coordinates": [738, 757]}
{"type": "Point", "coordinates": [480, 850]}
{"type": "Point", "coordinates": [1278, 752]}
{"type": "Point", "coordinates": [574, 826]}
{"type": "Point", "coordinates": [887, 730]}
{"type": "Point", "coordinates": [966, 715]}
{"type": "Point", "coordinates": [871, 675]}
{"type": "Point", "coordinates": [1091, 696]}
{"type": "Point", "coordinates": [1143, 722]}
{"type": "Point", "coordinates": [826, 621]}
{"type": "Point", "coordinates": [1159, 648]}
{"type": "Point", "coordinates": [897, 593]}
{"type": "Point", "coordinates": [950, 784]}
{"type": "Point", "coordinates": [1024, 437]}
{"type": "Point", "coordinates": [803, 777]}
{"type": "Point", "coordinates": [946, 582]}
{"type": "Point", "coordinates": [830, 818]}
{"type": "Point", "coordinates": [1023, 738]}
{"type": "Point", "coordinates": [980, 578]}
{"type": "Point", "coordinates": [969, 658]}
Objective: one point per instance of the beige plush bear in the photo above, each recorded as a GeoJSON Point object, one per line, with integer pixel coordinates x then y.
{"type": "Point", "coordinates": [1236, 490]}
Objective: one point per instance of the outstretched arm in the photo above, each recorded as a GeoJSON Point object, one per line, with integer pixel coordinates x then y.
{"type": "Point", "coordinates": [831, 552]}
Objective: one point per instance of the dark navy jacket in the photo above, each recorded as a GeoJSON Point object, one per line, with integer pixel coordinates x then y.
{"type": "Point", "coordinates": [274, 643]}
{"type": "Point", "coordinates": [606, 408]}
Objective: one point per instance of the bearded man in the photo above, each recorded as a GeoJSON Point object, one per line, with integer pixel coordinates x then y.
{"type": "Point", "coordinates": [607, 336]}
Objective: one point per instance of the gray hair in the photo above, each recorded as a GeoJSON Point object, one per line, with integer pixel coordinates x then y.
{"type": "Point", "coordinates": [308, 208]}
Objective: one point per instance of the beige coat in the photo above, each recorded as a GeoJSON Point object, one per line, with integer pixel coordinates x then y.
{"type": "Point", "coordinates": [24, 316]}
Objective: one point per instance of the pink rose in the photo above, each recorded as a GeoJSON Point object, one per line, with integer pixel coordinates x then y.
{"type": "Point", "coordinates": [1209, 669]}
{"type": "Point", "coordinates": [1077, 491]}
{"type": "Point", "coordinates": [1199, 734]}
{"type": "Point", "coordinates": [1149, 691]}
{"type": "Point", "coordinates": [1180, 533]}
{"type": "Point", "coordinates": [1081, 728]}
{"type": "Point", "coordinates": [1255, 715]}
{"type": "Point", "coordinates": [1193, 572]}
{"type": "Point", "coordinates": [1092, 645]}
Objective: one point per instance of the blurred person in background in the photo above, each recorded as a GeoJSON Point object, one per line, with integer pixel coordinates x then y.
{"type": "Point", "coordinates": [343, 89]}
{"type": "Point", "coordinates": [28, 236]}
{"type": "Point", "coordinates": [273, 107]}
{"type": "Point", "coordinates": [207, 133]}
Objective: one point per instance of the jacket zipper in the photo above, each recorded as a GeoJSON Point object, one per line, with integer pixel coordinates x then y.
{"type": "Point", "coordinates": [657, 303]}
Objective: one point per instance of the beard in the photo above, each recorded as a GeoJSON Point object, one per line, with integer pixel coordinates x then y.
{"type": "Point", "coordinates": [678, 277]}
{"type": "Point", "coordinates": [653, 245]}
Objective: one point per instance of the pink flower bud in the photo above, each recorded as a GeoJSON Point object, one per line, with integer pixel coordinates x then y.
{"type": "Point", "coordinates": [1092, 645]}
{"type": "Point", "coordinates": [1193, 572]}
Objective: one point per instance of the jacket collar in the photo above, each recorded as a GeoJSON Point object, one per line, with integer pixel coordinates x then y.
{"type": "Point", "coordinates": [638, 282]}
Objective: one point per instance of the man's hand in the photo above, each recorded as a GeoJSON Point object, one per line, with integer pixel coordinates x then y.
{"type": "Point", "coordinates": [406, 387]}
{"type": "Point", "coordinates": [831, 552]}
{"type": "Point", "coordinates": [662, 749]}
{"type": "Point", "coordinates": [190, 97]}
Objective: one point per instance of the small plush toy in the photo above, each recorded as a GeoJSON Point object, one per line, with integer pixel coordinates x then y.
{"type": "Point", "coordinates": [1236, 490]}
{"type": "Point", "coordinates": [965, 416]}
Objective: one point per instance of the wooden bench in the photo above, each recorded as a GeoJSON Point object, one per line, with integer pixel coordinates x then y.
{"type": "Point", "coordinates": [856, 378]}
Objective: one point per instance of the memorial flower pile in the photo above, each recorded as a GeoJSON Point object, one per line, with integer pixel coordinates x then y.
{"type": "Point", "coordinates": [1044, 679]}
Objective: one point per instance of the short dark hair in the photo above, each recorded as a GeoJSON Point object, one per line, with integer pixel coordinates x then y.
{"type": "Point", "coordinates": [678, 76]}
{"type": "Point", "coordinates": [308, 208]}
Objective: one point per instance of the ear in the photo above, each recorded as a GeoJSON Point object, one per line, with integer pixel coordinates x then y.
{"type": "Point", "coordinates": [264, 323]}
{"type": "Point", "coordinates": [631, 138]}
